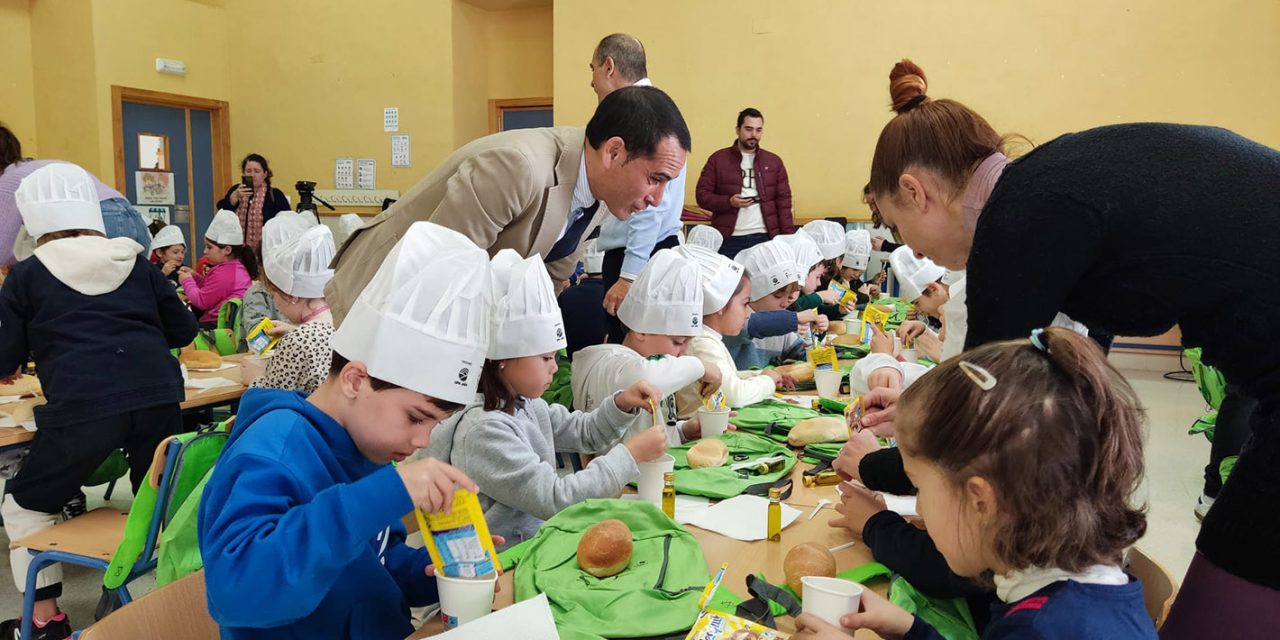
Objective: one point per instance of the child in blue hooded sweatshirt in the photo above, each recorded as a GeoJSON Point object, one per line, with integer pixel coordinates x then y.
{"type": "Point", "coordinates": [300, 523]}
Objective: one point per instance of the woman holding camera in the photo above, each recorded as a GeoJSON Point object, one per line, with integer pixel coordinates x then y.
{"type": "Point", "coordinates": [254, 200]}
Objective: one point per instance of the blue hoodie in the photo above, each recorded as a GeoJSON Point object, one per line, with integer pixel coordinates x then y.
{"type": "Point", "coordinates": [301, 534]}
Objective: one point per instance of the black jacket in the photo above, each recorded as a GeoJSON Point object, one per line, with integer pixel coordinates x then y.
{"type": "Point", "coordinates": [107, 353]}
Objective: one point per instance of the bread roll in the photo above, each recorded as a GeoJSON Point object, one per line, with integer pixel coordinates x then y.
{"type": "Point", "coordinates": [800, 371]}
{"type": "Point", "coordinates": [24, 386]}
{"type": "Point", "coordinates": [807, 559]}
{"type": "Point", "coordinates": [836, 328]}
{"type": "Point", "coordinates": [22, 410]}
{"type": "Point", "coordinates": [711, 452]}
{"type": "Point", "coordinates": [848, 340]}
{"type": "Point", "coordinates": [199, 359]}
{"type": "Point", "coordinates": [819, 429]}
{"type": "Point", "coordinates": [605, 549]}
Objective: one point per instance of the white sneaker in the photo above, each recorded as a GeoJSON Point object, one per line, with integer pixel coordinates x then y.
{"type": "Point", "coordinates": [1203, 503]}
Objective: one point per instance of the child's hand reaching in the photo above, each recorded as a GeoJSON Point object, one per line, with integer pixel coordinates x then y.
{"type": "Point", "coordinates": [881, 408]}
{"type": "Point", "coordinates": [886, 619]}
{"type": "Point", "coordinates": [830, 296]}
{"type": "Point", "coordinates": [650, 444]}
{"type": "Point", "coordinates": [637, 396]}
{"type": "Point", "coordinates": [856, 506]}
{"type": "Point", "coordinates": [431, 483]}
{"type": "Point", "coordinates": [884, 378]}
{"type": "Point", "coordinates": [851, 454]}
{"type": "Point", "coordinates": [780, 380]}
{"type": "Point", "coordinates": [880, 341]}
{"type": "Point", "coordinates": [820, 324]}
{"type": "Point", "coordinates": [711, 379]}
{"type": "Point", "coordinates": [278, 329]}
{"type": "Point", "coordinates": [170, 266]}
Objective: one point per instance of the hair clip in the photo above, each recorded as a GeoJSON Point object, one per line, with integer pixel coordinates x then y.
{"type": "Point", "coordinates": [978, 375]}
{"type": "Point", "coordinates": [1037, 341]}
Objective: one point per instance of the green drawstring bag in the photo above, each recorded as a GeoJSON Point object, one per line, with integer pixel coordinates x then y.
{"type": "Point", "coordinates": [657, 595]}
{"type": "Point", "coordinates": [771, 418]}
{"type": "Point", "coordinates": [820, 452]}
{"type": "Point", "coordinates": [178, 551]}
{"type": "Point", "coordinates": [561, 390]}
{"type": "Point", "coordinates": [722, 482]}
{"type": "Point", "coordinates": [1212, 387]}
{"type": "Point", "coordinates": [951, 618]}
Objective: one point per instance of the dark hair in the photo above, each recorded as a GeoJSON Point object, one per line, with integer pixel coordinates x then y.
{"type": "Point", "coordinates": [940, 135]}
{"type": "Point", "coordinates": [497, 396]}
{"type": "Point", "coordinates": [1059, 438]}
{"type": "Point", "coordinates": [67, 233]}
{"type": "Point", "coordinates": [262, 162]}
{"type": "Point", "coordinates": [156, 225]}
{"type": "Point", "coordinates": [749, 112]}
{"type": "Point", "coordinates": [642, 117]}
{"type": "Point", "coordinates": [627, 53]}
{"type": "Point", "coordinates": [339, 361]}
{"type": "Point", "coordinates": [244, 253]}
{"type": "Point", "coordinates": [10, 148]}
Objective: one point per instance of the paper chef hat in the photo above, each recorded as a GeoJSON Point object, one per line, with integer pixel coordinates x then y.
{"type": "Point", "coordinates": [225, 229]}
{"type": "Point", "coordinates": [667, 297]}
{"type": "Point", "coordinates": [720, 276]}
{"type": "Point", "coordinates": [300, 267]}
{"type": "Point", "coordinates": [422, 322]}
{"type": "Point", "coordinates": [828, 235]}
{"type": "Point", "coordinates": [772, 265]}
{"type": "Point", "coordinates": [348, 224]}
{"type": "Point", "coordinates": [59, 197]}
{"type": "Point", "coordinates": [807, 252]}
{"type": "Point", "coordinates": [857, 249]}
{"type": "Point", "coordinates": [705, 235]}
{"type": "Point", "coordinates": [526, 318]}
{"type": "Point", "coordinates": [914, 274]}
{"type": "Point", "coordinates": [592, 257]}
{"type": "Point", "coordinates": [168, 236]}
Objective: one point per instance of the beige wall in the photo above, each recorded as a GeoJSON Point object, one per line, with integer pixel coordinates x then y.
{"type": "Point", "coordinates": [65, 82]}
{"type": "Point", "coordinates": [17, 85]}
{"type": "Point", "coordinates": [818, 70]}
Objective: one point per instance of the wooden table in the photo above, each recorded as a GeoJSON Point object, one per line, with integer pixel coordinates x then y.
{"type": "Point", "coordinates": [196, 399]}
{"type": "Point", "coordinates": [744, 558]}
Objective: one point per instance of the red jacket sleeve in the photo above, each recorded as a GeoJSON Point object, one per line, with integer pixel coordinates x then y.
{"type": "Point", "coordinates": [707, 194]}
{"type": "Point", "coordinates": [786, 223]}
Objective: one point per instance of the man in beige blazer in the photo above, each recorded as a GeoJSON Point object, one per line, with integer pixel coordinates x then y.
{"type": "Point", "coordinates": [536, 191]}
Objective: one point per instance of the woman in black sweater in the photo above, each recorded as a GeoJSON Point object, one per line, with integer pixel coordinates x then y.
{"type": "Point", "coordinates": [1108, 225]}
{"type": "Point", "coordinates": [256, 205]}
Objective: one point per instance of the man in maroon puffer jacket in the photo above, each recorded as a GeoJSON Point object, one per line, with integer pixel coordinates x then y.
{"type": "Point", "coordinates": [746, 189]}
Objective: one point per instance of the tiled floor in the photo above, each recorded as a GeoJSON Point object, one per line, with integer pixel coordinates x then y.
{"type": "Point", "coordinates": [1174, 477]}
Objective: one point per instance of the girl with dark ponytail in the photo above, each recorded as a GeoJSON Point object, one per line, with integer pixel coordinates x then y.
{"type": "Point", "coordinates": [1026, 455]}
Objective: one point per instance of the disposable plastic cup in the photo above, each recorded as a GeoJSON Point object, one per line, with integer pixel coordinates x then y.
{"type": "Point", "coordinates": [831, 598]}
{"type": "Point", "coordinates": [910, 355]}
{"type": "Point", "coordinates": [650, 484]}
{"type": "Point", "coordinates": [714, 423]}
{"type": "Point", "coordinates": [464, 599]}
{"type": "Point", "coordinates": [828, 382]}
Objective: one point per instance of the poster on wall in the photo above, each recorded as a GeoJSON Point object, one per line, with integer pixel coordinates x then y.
{"type": "Point", "coordinates": [154, 187]}
{"type": "Point", "coordinates": [156, 213]}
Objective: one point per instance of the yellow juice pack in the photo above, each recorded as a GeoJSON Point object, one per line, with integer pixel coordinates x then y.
{"type": "Point", "coordinates": [875, 315]}
{"type": "Point", "coordinates": [847, 296]}
{"type": "Point", "coordinates": [259, 341]}
{"type": "Point", "coordinates": [713, 625]}
{"type": "Point", "coordinates": [823, 358]}
{"type": "Point", "coordinates": [459, 542]}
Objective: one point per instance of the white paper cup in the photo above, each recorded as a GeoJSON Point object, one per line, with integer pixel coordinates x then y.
{"type": "Point", "coordinates": [910, 355]}
{"type": "Point", "coordinates": [828, 382]}
{"type": "Point", "coordinates": [464, 599]}
{"type": "Point", "coordinates": [713, 423]}
{"type": "Point", "coordinates": [251, 367]}
{"type": "Point", "coordinates": [649, 486]}
{"type": "Point", "coordinates": [831, 598]}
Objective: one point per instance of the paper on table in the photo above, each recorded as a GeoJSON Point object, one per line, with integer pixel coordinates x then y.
{"type": "Point", "coordinates": [225, 365]}
{"type": "Point", "coordinates": [742, 518]}
{"type": "Point", "coordinates": [901, 505]}
{"type": "Point", "coordinates": [204, 384]}
{"type": "Point", "coordinates": [7, 422]}
{"type": "Point", "coordinates": [532, 617]}
{"type": "Point", "coordinates": [686, 506]}
{"type": "Point", "coordinates": [8, 399]}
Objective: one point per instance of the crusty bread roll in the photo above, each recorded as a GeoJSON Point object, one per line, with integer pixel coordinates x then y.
{"type": "Point", "coordinates": [836, 328]}
{"type": "Point", "coordinates": [848, 340]}
{"type": "Point", "coordinates": [605, 549]}
{"type": "Point", "coordinates": [24, 386]}
{"type": "Point", "coordinates": [800, 371]}
{"type": "Point", "coordinates": [199, 359]}
{"type": "Point", "coordinates": [807, 559]}
{"type": "Point", "coordinates": [711, 452]}
{"type": "Point", "coordinates": [819, 429]}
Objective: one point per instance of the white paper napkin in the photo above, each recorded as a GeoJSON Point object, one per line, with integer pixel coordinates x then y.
{"type": "Point", "coordinates": [204, 384]}
{"type": "Point", "coordinates": [742, 518]}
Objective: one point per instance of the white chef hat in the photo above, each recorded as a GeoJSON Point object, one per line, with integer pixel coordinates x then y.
{"type": "Point", "coordinates": [349, 223]}
{"type": "Point", "coordinates": [422, 322]}
{"type": "Point", "coordinates": [951, 277]}
{"type": "Point", "coordinates": [857, 249]}
{"type": "Point", "coordinates": [772, 265]}
{"type": "Point", "coordinates": [300, 266]}
{"type": "Point", "coordinates": [592, 257]}
{"type": "Point", "coordinates": [913, 274]}
{"type": "Point", "coordinates": [168, 236]}
{"type": "Point", "coordinates": [720, 276]}
{"type": "Point", "coordinates": [225, 229]}
{"type": "Point", "coordinates": [667, 297]}
{"type": "Point", "coordinates": [828, 235]}
{"type": "Point", "coordinates": [24, 246]}
{"type": "Point", "coordinates": [807, 252]}
{"type": "Point", "coordinates": [705, 235]}
{"type": "Point", "coordinates": [59, 197]}
{"type": "Point", "coordinates": [526, 318]}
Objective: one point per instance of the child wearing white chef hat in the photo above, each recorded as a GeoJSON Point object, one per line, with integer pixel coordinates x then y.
{"type": "Point", "coordinates": [258, 301]}
{"type": "Point", "coordinates": [507, 439]}
{"type": "Point", "coordinates": [300, 522]}
{"type": "Point", "coordinates": [295, 269]}
{"type": "Point", "coordinates": [662, 313]}
{"type": "Point", "coordinates": [168, 250]}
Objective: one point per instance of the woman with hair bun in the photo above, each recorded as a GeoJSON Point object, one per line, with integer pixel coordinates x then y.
{"type": "Point", "coordinates": [1108, 226]}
